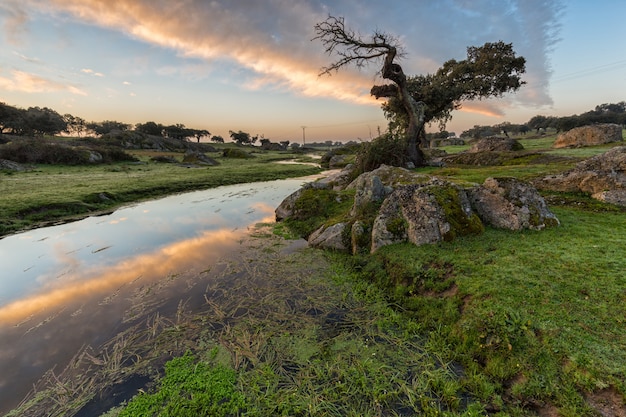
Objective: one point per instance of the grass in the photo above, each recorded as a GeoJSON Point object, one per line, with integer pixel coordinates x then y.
{"type": "Point", "coordinates": [51, 193]}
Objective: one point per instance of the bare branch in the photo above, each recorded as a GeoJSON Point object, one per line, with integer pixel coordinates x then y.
{"type": "Point", "coordinates": [351, 48]}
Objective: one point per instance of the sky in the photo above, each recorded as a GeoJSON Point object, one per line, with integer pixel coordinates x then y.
{"type": "Point", "coordinates": [252, 65]}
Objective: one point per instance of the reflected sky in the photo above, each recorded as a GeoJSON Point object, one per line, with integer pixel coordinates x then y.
{"type": "Point", "coordinates": [78, 284]}
{"type": "Point", "coordinates": [43, 260]}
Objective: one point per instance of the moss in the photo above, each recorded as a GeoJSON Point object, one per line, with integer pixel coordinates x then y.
{"type": "Point", "coordinates": [449, 198]}
{"type": "Point", "coordinates": [397, 226]}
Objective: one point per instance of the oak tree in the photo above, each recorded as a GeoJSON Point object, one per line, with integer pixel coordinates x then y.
{"type": "Point", "coordinates": [489, 71]}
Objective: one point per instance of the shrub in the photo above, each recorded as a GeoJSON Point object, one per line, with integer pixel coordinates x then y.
{"type": "Point", "coordinates": [386, 149]}
{"type": "Point", "coordinates": [236, 153]}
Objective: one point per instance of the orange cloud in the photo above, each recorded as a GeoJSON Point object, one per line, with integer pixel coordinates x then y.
{"type": "Point", "coordinates": [175, 258]}
{"type": "Point", "coordinates": [214, 32]}
{"type": "Point", "coordinates": [31, 83]}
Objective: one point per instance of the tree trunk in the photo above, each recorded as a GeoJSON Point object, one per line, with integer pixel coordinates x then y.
{"type": "Point", "coordinates": [415, 110]}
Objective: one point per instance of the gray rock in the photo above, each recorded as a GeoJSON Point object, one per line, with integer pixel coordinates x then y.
{"type": "Point", "coordinates": [196, 157]}
{"type": "Point", "coordinates": [11, 166]}
{"type": "Point", "coordinates": [359, 237]}
{"type": "Point", "coordinates": [601, 176]}
{"type": "Point", "coordinates": [286, 207]}
{"type": "Point", "coordinates": [331, 237]}
{"type": "Point", "coordinates": [511, 204]}
{"type": "Point", "coordinates": [423, 214]}
{"type": "Point", "coordinates": [369, 189]}
{"type": "Point", "coordinates": [495, 144]}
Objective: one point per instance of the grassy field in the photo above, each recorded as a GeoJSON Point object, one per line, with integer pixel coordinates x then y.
{"type": "Point", "coordinates": [528, 323]}
{"type": "Point", "coordinates": [53, 193]}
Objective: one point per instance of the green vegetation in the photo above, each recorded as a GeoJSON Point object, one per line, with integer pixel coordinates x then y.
{"type": "Point", "coordinates": [503, 323]}
{"type": "Point", "coordinates": [190, 389]}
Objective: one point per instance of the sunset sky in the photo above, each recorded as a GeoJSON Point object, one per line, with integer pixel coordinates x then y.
{"type": "Point", "coordinates": [251, 65]}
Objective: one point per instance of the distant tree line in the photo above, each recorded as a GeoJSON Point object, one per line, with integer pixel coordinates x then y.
{"type": "Point", "coordinates": [603, 113]}
{"type": "Point", "coordinates": [37, 121]}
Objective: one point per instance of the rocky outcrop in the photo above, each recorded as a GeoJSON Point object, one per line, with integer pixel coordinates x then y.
{"type": "Point", "coordinates": [421, 214]}
{"type": "Point", "coordinates": [393, 205]}
{"type": "Point", "coordinates": [589, 136]}
{"type": "Point", "coordinates": [495, 144]}
{"type": "Point", "coordinates": [603, 176]}
{"type": "Point", "coordinates": [198, 158]}
{"type": "Point", "coordinates": [8, 165]}
{"type": "Point", "coordinates": [331, 237]}
{"type": "Point", "coordinates": [507, 203]}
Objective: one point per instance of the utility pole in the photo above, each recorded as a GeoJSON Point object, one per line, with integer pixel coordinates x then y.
{"type": "Point", "coordinates": [303, 139]}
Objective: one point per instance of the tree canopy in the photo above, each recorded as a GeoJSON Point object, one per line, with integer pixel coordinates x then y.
{"type": "Point", "coordinates": [489, 71]}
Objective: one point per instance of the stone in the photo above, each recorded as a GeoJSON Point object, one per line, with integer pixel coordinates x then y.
{"type": "Point", "coordinates": [424, 214]}
{"type": "Point", "coordinates": [11, 166]}
{"type": "Point", "coordinates": [369, 190]}
{"type": "Point", "coordinates": [286, 208]}
{"type": "Point", "coordinates": [599, 175]}
{"type": "Point", "coordinates": [95, 157]}
{"type": "Point", "coordinates": [359, 237]}
{"type": "Point", "coordinates": [495, 144]}
{"type": "Point", "coordinates": [196, 157]}
{"type": "Point", "coordinates": [508, 203]}
{"type": "Point", "coordinates": [589, 136]}
{"type": "Point", "coordinates": [338, 180]}
{"type": "Point", "coordinates": [331, 237]}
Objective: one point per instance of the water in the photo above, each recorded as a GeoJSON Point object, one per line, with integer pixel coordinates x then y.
{"type": "Point", "coordinates": [78, 284]}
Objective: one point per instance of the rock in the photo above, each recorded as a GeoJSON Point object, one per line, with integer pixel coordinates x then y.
{"type": "Point", "coordinates": [196, 157]}
{"type": "Point", "coordinates": [164, 159]}
{"type": "Point", "coordinates": [511, 204]}
{"type": "Point", "coordinates": [392, 177]}
{"type": "Point", "coordinates": [287, 206]}
{"type": "Point", "coordinates": [589, 136]}
{"type": "Point", "coordinates": [495, 144]}
{"type": "Point", "coordinates": [601, 176]}
{"type": "Point", "coordinates": [338, 180]}
{"type": "Point", "coordinates": [95, 157]}
{"type": "Point", "coordinates": [360, 237]}
{"type": "Point", "coordinates": [337, 161]}
{"type": "Point", "coordinates": [11, 166]}
{"type": "Point", "coordinates": [369, 190]}
{"type": "Point", "coordinates": [331, 237]}
{"type": "Point", "coordinates": [423, 214]}
{"type": "Point", "coordinates": [617, 197]}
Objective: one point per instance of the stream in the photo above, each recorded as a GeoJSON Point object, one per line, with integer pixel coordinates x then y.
{"type": "Point", "coordinates": [79, 284]}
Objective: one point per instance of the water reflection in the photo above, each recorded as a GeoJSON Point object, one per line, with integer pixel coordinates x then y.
{"type": "Point", "coordinates": [78, 284]}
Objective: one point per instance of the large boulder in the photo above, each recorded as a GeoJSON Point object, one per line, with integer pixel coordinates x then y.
{"type": "Point", "coordinates": [423, 214]}
{"type": "Point", "coordinates": [589, 136]}
{"type": "Point", "coordinates": [603, 176]}
{"type": "Point", "coordinates": [508, 203]}
{"type": "Point", "coordinates": [495, 144]}
{"type": "Point", "coordinates": [8, 165]}
{"type": "Point", "coordinates": [331, 237]}
{"type": "Point", "coordinates": [198, 158]}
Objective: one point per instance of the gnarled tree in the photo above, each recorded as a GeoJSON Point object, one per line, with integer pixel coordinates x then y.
{"type": "Point", "coordinates": [489, 70]}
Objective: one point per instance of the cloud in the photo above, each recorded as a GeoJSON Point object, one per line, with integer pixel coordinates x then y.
{"type": "Point", "coordinates": [31, 83]}
{"type": "Point", "coordinates": [15, 22]}
{"type": "Point", "coordinates": [92, 72]}
{"type": "Point", "coordinates": [271, 40]}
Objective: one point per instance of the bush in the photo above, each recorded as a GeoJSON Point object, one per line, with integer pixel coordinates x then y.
{"type": "Point", "coordinates": [386, 149]}
{"type": "Point", "coordinates": [33, 151]}
{"type": "Point", "coordinates": [236, 153]}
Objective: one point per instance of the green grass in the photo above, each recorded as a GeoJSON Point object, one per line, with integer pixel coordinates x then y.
{"type": "Point", "coordinates": [51, 193]}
